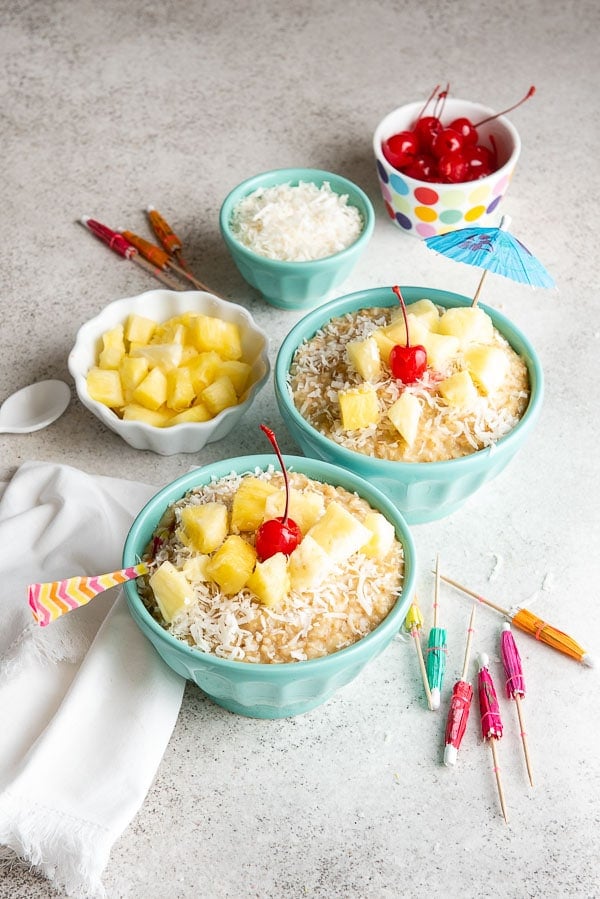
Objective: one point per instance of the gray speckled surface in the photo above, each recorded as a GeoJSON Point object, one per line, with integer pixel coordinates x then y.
{"type": "Point", "coordinates": [109, 107]}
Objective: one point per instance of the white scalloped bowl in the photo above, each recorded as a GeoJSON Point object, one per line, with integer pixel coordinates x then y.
{"type": "Point", "coordinates": [160, 305]}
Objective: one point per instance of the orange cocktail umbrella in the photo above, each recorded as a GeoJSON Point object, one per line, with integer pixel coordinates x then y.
{"type": "Point", "coordinates": [536, 627]}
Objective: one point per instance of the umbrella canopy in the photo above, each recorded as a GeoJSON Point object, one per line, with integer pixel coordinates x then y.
{"type": "Point", "coordinates": [436, 662]}
{"type": "Point", "coordinates": [515, 683]}
{"type": "Point", "coordinates": [460, 704]}
{"type": "Point", "coordinates": [495, 250]}
{"type": "Point", "coordinates": [491, 722]}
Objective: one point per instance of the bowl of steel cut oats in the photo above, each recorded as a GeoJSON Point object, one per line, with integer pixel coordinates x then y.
{"type": "Point", "coordinates": [270, 636]}
{"type": "Point", "coordinates": [428, 399]}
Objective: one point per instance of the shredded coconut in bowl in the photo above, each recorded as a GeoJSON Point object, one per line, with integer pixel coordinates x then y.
{"type": "Point", "coordinates": [353, 598]}
{"type": "Point", "coordinates": [321, 369]}
{"type": "Point", "coordinates": [296, 223]}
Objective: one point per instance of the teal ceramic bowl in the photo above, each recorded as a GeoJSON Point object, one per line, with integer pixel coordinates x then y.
{"type": "Point", "coordinates": [261, 690]}
{"type": "Point", "coordinates": [296, 285]}
{"type": "Point", "coordinates": [422, 491]}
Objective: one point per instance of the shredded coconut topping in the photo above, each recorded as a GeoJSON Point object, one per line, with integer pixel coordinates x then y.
{"type": "Point", "coordinates": [320, 369]}
{"type": "Point", "coordinates": [352, 600]}
{"type": "Point", "coordinates": [296, 223]}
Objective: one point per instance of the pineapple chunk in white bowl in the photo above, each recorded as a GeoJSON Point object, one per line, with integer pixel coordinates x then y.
{"type": "Point", "coordinates": [455, 336]}
{"type": "Point", "coordinates": [240, 684]}
{"type": "Point", "coordinates": [175, 389]}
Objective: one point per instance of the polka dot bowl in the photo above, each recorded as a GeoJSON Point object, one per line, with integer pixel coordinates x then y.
{"type": "Point", "coordinates": [424, 208]}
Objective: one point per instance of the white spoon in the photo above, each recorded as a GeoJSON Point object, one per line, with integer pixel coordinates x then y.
{"type": "Point", "coordinates": [34, 407]}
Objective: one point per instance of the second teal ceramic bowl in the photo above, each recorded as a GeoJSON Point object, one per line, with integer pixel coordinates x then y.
{"type": "Point", "coordinates": [296, 285]}
{"type": "Point", "coordinates": [422, 491]}
{"type": "Point", "coordinates": [261, 690]}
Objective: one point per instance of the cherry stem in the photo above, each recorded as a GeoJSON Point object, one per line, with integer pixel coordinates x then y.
{"type": "Point", "coordinates": [441, 102]}
{"type": "Point", "coordinates": [496, 115]}
{"type": "Point", "coordinates": [273, 441]}
{"type": "Point", "coordinates": [427, 102]}
{"type": "Point", "coordinates": [398, 293]}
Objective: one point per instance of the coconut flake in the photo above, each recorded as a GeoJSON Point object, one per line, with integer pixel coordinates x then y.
{"type": "Point", "coordinates": [296, 223]}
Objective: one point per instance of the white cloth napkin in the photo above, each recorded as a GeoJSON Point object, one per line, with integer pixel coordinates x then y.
{"type": "Point", "coordinates": [87, 705]}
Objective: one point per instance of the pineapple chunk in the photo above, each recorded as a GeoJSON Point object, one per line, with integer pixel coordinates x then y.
{"type": "Point", "coordinates": [359, 407]}
{"type": "Point", "coordinates": [104, 386]}
{"type": "Point", "coordinates": [439, 348]}
{"type": "Point", "coordinates": [384, 343]}
{"type": "Point", "coordinates": [209, 333]}
{"type": "Point", "coordinates": [232, 564]}
{"type": "Point", "coordinates": [248, 508]}
{"type": "Point", "coordinates": [219, 395]}
{"type": "Point", "coordinates": [304, 508]}
{"type": "Point", "coordinates": [364, 356]}
{"type": "Point", "coordinates": [339, 532]}
{"type": "Point", "coordinates": [459, 390]}
{"type": "Point", "coordinates": [171, 589]}
{"type": "Point", "coordinates": [469, 324]}
{"type": "Point", "coordinates": [139, 329]}
{"type": "Point", "coordinates": [396, 331]}
{"type": "Point", "coordinates": [171, 331]}
{"type": "Point", "coordinates": [113, 348]}
{"type": "Point", "coordinates": [382, 536]}
{"type": "Point", "coordinates": [204, 369]}
{"type": "Point", "coordinates": [488, 366]}
{"type": "Point", "coordinates": [238, 373]}
{"type": "Point", "coordinates": [426, 311]}
{"type": "Point", "coordinates": [152, 391]}
{"type": "Point", "coordinates": [132, 372]}
{"type": "Point", "coordinates": [158, 418]}
{"type": "Point", "coordinates": [180, 392]}
{"type": "Point", "coordinates": [196, 568]}
{"type": "Point", "coordinates": [270, 581]}
{"type": "Point", "coordinates": [165, 355]}
{"type": "Point", "coordinates": [197, 412]}
{"type": "Point", "coordinates": [204, 527]}
{"type": "Point", "coordinates": [404, 414]}
{"type": "Point", "coordinates": [308, 565]}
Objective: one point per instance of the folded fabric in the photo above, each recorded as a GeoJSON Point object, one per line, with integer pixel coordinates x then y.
{"type": "Point", "coordinates": [89, 703]}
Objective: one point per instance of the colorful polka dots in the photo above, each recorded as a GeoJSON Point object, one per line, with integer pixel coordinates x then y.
{"type": "Point", "coordinates": [426, 210]}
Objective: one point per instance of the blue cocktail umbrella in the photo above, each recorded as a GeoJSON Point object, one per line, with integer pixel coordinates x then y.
{"type": "Point", "coordinates": [494, 250]}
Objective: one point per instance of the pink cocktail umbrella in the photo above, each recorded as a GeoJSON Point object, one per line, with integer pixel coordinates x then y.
{"type": "Point", "coordinates": [460, 704]}
{"type": "Point", "coordinates": [118, 244]}
{"type": "Point", "coordinates": [515, 683]}
{"type": "Point", "coordinates": [491, 722]}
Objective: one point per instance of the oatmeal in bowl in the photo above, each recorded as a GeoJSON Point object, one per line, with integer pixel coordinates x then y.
{"type": "Point", "coordinates": [428, 437]}
{"type": "Point", "coordinates": [274, 636]}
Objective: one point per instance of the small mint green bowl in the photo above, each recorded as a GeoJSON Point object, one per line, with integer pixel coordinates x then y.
{"type": "Point", "coordinates": [422, 491]}
{"type": "Point", "coordinates": [261, 690]}
{"type": "Point", "coordinates": [296, 285]}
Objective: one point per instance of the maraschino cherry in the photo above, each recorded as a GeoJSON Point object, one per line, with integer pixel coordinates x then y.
{"type": "Point", "coordinates": [407, 362]}
{"type": "Point", "coordinates": [433, 151]}
{"type": "Point", "coordinates": [277, 535]}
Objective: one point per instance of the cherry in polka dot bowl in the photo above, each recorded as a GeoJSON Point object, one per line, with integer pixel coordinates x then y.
{"type": "Point", "coordinates": [435, 186]}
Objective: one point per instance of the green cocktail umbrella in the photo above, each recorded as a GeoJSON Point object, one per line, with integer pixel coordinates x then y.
{"type": "Point", "coordinates": [436, 649]}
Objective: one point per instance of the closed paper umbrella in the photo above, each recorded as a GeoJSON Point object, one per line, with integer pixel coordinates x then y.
{"type": "Point", "coordinates": [460, 704]}
{"type": "Point", "coordinates": [413, 624]}
{"type": "Point", "coordinates": [515, 683]}
{"type": "Point", "coordinates": [536, 627]}
{"type": "Point", "coordinates": [162, 259]}
{"type": "Point", "coordinates": [120, 245]}
{"type": "Point", "coordinates": [493, 250]}
{"type": "Point", "coordinates": [491, 722]}
{"type": "Point", "coordinates": [436, 648]}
